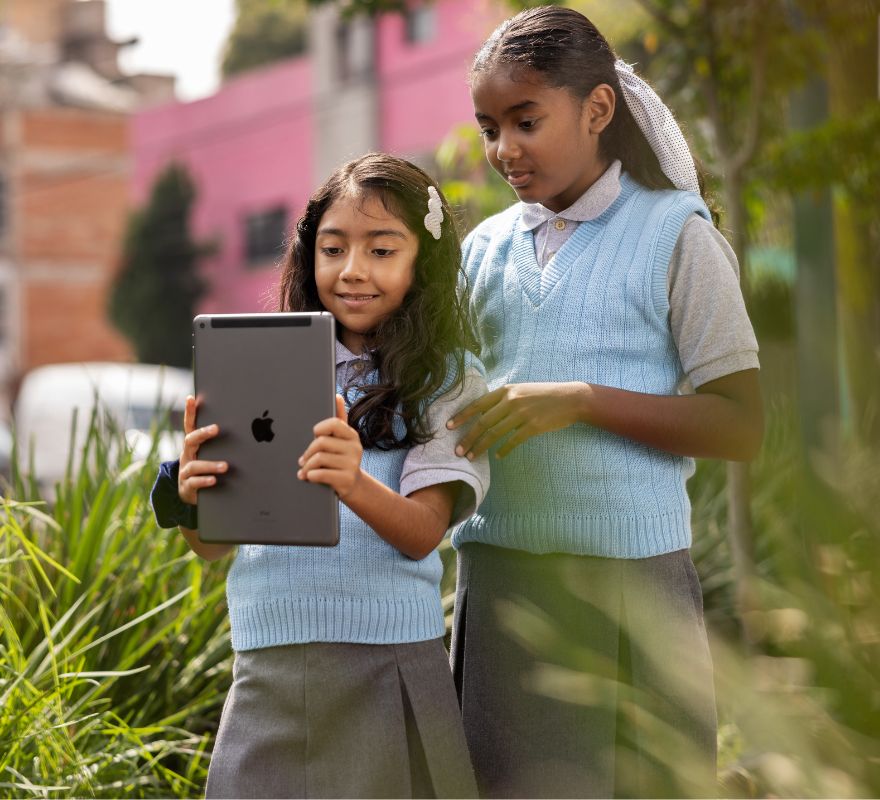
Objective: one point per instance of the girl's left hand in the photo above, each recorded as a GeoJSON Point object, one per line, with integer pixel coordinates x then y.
{"type": "Point", "coordinates": [334, 456]}
{"type": "Point", "coordinates": [520, 410]}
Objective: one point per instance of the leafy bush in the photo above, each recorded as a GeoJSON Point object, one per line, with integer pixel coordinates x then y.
{"type": "Point", "coordinates": [114, 659]}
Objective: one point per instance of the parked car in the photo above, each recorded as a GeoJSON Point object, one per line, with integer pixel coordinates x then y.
{"type": "Point", "coordinates": [129, 397]}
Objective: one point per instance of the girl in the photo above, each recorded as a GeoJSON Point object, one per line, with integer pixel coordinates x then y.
{"type": "Point", "coordinates": [341, 684]}
{"type": "Point", "coordinates": [579, 649]}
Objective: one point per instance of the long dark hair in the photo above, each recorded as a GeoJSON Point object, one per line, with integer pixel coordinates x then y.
{"type": "Point", "coordinates": [569, 52]}
{"type": "Point", "coordinates": [418, 349]}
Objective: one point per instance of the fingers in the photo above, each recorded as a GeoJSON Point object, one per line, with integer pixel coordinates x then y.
{"type": "Point", "coordinates": [521, 435]}
{"type": "Point", "coordinates": [485, 434]}
{"type": "Point", "coordinates": [329, 444]}
{"type": "Point", "coordinates": [341, 413]}
{"type": "Point", "coordinates": [334, 426]}
{"type": "Point", "coordinates": [189, 414]}
{"type": "Point", "coordinates": [196, 438]}
{"type": "Point", "coordinates": [196, 469]}
{"type": "Point", "coordinates": [325, 462]}
{"type": "Point", "coordinates": [477, 407]}
{"type": "Point", "coordinates": [196, 475]}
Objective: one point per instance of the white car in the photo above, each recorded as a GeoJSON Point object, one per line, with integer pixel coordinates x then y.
{"type": "Point", "coordinates": [129, 396]}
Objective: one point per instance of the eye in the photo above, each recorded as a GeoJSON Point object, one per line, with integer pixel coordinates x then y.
{"type": "Point", "coordinates": [383, 252]}
{"type": "Point", "coordinates": [488, 133]}
{"type": "Point", "coordinates": [528, 124]}
{"type": "Point", "coordinates": [331, 251]}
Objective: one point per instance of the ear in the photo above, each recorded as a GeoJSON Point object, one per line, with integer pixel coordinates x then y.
{"type": "Point", "coordinates": [599, 107]}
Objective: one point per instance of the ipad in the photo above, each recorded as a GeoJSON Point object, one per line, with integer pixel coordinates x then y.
{"type": "Point", "coordinates": [265, 380]}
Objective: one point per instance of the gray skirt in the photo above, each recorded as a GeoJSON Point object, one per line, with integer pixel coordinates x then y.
{"type": "Point", "coordinates": [584, 677]}
{"type": "Point", "coordinates": [341, 720]}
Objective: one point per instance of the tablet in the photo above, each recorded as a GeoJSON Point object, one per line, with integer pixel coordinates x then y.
{"type": "Point", "coordinates": [265, 380]}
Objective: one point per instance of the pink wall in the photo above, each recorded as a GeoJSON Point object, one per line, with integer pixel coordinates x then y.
{"type": "Point", "coordinates": [251, 147]}
{"type": "Point", "coordinates": [248, 148]}
{"type": "Point", "coordinates": [423, 87]}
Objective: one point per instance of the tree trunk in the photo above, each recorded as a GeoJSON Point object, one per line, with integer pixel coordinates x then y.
{"type": "Point", "coordinates": [739, 513]}
{"type": "Point", "coordinates": [853, 87]}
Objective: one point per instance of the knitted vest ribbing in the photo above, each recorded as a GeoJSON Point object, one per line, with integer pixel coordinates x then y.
{"type": "Point", "coordinates": [362, 591]}
{"type": "Point", "coordinates": [598, 312]}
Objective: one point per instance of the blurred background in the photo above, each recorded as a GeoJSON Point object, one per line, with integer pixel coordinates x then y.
{"type": "Point", "coordinates": [154, 156]}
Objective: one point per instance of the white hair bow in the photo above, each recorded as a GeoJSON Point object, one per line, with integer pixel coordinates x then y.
{"type": "Point", "coordinates": [661, 130]}
{"type": "Point", "coordinates": [434, 217]}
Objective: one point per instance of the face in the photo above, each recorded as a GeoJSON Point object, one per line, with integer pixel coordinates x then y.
{"type": "Point", "coordinates": [541, 139]}
{"type": "Point", "coordinates": [364, 265]}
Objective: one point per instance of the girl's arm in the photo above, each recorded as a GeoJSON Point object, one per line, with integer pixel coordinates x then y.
{"type": "Point", "coordinates": [195, 475]}
{"type": "Point", "coordinates": [724, 419]}
{"type": "Point", "coordinates": [414, 524]}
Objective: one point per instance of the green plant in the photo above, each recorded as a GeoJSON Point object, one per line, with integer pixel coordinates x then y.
{"type": "Point", "coordinates": [114, 657]}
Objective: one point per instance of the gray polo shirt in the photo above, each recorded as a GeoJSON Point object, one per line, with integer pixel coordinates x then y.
{"type": "Point", "coordinates": [707, 315]}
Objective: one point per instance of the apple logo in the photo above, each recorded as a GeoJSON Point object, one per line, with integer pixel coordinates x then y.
{"type": "Point", "coordinates": [261, 427]}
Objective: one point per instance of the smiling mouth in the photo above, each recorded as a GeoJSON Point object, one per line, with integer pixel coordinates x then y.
{"type": "Point", "coordinates": [356, 299]}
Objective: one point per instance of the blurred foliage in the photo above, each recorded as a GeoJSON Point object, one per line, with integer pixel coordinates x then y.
{"type": "Point", "coordinates": [114, 649]}
{"type": "Point", "coordinates": [799, 716]}
{"type": "Point", "coordinates": [265, 31]}
{"type": "Point", "coordinates": [154, 296]}
{"type": "Point", "coordinates": [115, 656]}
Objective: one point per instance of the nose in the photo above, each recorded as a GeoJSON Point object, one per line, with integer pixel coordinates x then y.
{"type": "Point", "coordinates": [508, 149]}
{"type": "Point", "coordinates": [354, 269]}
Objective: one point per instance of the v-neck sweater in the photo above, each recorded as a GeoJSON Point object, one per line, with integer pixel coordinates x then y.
{"type": "Point", "coordinates": [598, 313]}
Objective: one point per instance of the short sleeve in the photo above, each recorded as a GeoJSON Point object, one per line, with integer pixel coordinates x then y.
{"type": "Point", "coordinates": [707, 314]}
{"type": "Point", "coordinates": [436, 462]}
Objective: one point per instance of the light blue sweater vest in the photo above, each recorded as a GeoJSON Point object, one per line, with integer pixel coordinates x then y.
{"type": "Point", "coordinates": [362, 591]}
{"type": "Point", "coordinates": [598, 312]}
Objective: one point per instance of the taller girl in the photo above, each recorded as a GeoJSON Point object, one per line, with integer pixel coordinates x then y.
{"type": "Point", "coordinates": [603, 299]}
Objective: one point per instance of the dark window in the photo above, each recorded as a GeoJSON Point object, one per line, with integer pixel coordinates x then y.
{"type": "Point", "coordinates": [421, 24]}
{"type": "Point", "coordinates": [354, 50]}
{"type": "Point", "coordinates": [343, 50]}
{"type": "Point", "coordinates": [264, 235]}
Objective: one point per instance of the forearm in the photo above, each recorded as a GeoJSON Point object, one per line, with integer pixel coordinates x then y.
{"type": "Point", "coordinates": [703, 425]}
{"type": "Point", "coordinates": [208, 551]}
{"type": "Point", "coordinates": [414, 528]}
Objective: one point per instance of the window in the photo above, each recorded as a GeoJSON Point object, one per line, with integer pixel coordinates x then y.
{"type": "Point", "coordinates": [354, 49]}
{"type": "Point", "coordinates": [264, 235]}
{"type": "Point", "coordinates": [421, 24]}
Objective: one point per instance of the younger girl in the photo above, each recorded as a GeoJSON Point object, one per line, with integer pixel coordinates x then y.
{"type": "Point", "coordinates": [579, 648]}
{"type": "Point", "coordinates": [341, 682]}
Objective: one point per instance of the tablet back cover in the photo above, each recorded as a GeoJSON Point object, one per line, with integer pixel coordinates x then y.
{"type": "Point", "coordinates": [265, 380]}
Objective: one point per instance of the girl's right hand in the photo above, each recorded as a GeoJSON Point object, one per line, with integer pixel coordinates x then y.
{"type": "Point", "coordinates": [194, 474]}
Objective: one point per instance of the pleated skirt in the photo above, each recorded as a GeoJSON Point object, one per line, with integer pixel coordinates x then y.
{"type": "Point", "coordinates": [584, 677]}
{"type": "Point", "coordinates": [341, 720]}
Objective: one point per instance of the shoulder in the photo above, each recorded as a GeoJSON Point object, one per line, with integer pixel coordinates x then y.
{"type": "Point", "coordinates": [666, 205]}
{"type": "Point", "coordinates": [701, 240]}
{"type": "Point", "coordinates": [461, 377]}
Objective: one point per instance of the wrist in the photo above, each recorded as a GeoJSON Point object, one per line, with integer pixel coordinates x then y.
{"type": "Point", "coordinates": [352, 493]}
{"type": "Point", "coordinates": [584, 398]}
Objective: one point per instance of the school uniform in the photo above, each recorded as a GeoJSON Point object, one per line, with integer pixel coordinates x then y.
{"type": "Point", "coordinates": [579, 649]}
{"type": "Point", "coordinates": [341, 684]}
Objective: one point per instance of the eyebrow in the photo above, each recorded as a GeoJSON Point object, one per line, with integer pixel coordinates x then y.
{"type": "Point", "coordinates": [516, 107]}
{"type": "Point", "coordinates": [370, 234]}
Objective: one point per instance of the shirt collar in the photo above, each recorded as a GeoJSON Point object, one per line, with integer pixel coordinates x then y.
{"type": "Point", "coordinates": [344, 355]}
{"type": "Point", "coordinates": [589, 205]}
